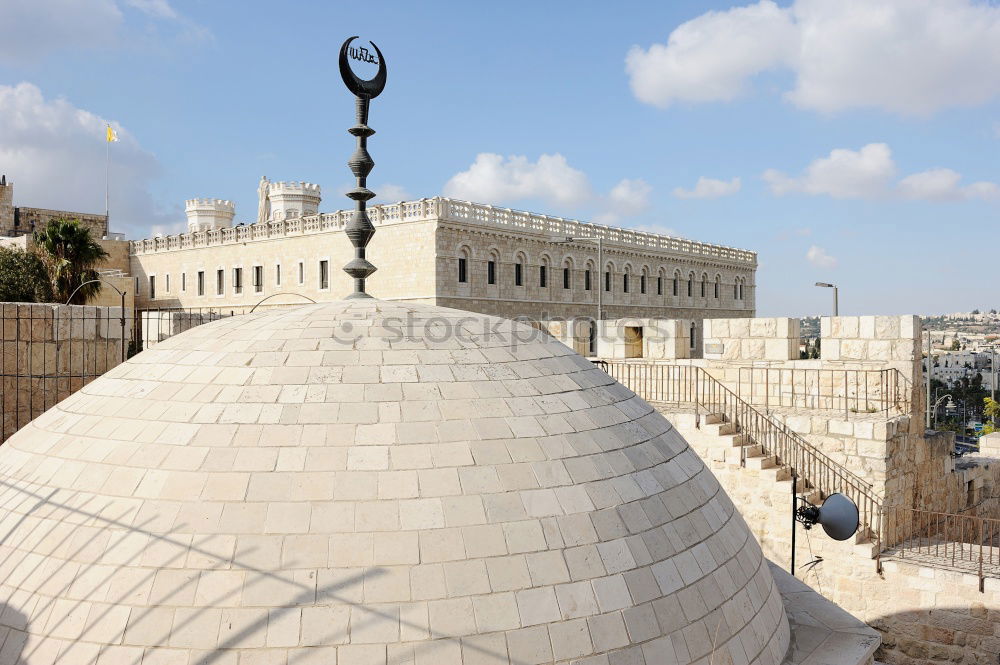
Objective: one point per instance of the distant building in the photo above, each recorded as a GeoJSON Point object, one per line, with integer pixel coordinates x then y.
{"type": "Point", "coordinates": [439, 251]}
{"type": "Point", "coordinates": [20, 220]}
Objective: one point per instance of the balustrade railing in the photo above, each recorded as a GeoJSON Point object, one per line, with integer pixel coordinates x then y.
{"type": "Point", "coordinates": [848, 390]}
{"type": "Point", "coordinates": [963, 542]}
{"type": "Point", "coordinates": [448, 209]}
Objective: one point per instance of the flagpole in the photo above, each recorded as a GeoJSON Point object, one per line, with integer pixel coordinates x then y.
{"type": "Point", "coordinates": [107, 173]}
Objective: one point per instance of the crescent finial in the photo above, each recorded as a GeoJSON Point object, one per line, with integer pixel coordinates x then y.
{"type": "Point", "coordinates": [360, 87]}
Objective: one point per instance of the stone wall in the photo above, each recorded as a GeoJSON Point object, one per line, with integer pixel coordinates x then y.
{"type": "Point", "coordinates": [29, 220]}
{"type": "Point", "coordinates": [926, 615]}
{"type": "Point", "coordinates": [751, 339]}
{"type": "Point", "coordinates": [51, 351]}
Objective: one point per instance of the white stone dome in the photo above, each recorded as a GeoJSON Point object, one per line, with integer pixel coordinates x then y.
{"type": "Point", "coordinates": [365, 482]}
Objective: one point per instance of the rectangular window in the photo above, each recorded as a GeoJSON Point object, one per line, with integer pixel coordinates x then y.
{"type": "Point", "coordinates": [735, 295]}
{"type": "Point", "coordinates": [625, 283]}
{"type": "Point", "coordinates": [168, 283]}
{"type": "Point", "coordinates": [518, 277]}
{"type": "Point", "coordinates": [491, 272]}
{"type": "Point", "coordinates": [184, 281]}
{"type": "Point", "coordinates": [586, 280]}
{"type": "Point", "coordinates": [258, 279]}
{"type": "Point", "coordinates": [277, 274]}
{"type": "Point", "coordinates": [302, 272]}
{"type": "Point", "coordinates": [201, 282]}
{"type": "Point", "coordinates": [702, 288]}
{"type": "Point", "coordinates": [642, 284]}
{"type": "Point", "coordinates": [152, 286]}
{"type": "Point", "coordinates": [716, 290]}
{"type": "Point", "coordinates": [675, 285]}
{"type": "Point", "coordinates": [565, 278]}
{"type": "Point", "coordinates": [690, 286]}
{"type": "Point", "coordinates": [324, 274]}
{"type": "Point", "coordinates": [607, 280]}
{"type": "Point", "coordinates": [541, 276]}
{"type": "Point", "coordinates": [237, 280]}
{"type": "Point", "coordinates": [659, 285]}
{"type": "Point", "coordinates": [220, 281]}
{"type": "Point", "coordinates": [462, 274]}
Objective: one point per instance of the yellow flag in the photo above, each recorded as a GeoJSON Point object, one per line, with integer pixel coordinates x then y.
{"type": "Point", "coordinates": [112, 135]}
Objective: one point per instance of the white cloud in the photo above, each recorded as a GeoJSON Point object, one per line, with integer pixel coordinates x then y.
{"type": "Point", "coordinates": [819, 258]}
{"type": "Point", "coordinates": [31, 29]}
{"type": "Point", "coordinates": [709, 188]}
{"type": "Point", "coordinates": [627, 198]}
{"type": "Point", "coordinates": [868, 174]}
{"type": "Point", "coordinates": [389, 193]}
{"type": "Point", "coordinates": [904, 56]}
{"type": "Point", "coordinates": [54, 152]}
{"type": "Point", "coordinates": [945, 185]}
{"type": "Point", "coordinates": [844, 174]}
{"type": "Point", "coordinates": [492, 179]}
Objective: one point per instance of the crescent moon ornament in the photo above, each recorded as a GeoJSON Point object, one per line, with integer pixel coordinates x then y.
{"type": "Point", "coordinates": [360, 87]}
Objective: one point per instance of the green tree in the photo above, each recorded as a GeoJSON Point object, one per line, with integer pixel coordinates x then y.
{"type": "Point", "coordinates": [70, 254]}
{"type": "Point", "coordinates": [23, 277]}
{"type": "Point", "coordinates": [991, 410]}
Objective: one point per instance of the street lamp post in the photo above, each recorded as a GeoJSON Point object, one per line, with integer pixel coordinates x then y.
{"type": "Point", "coordinates": [834, 287]}
{"type": "Point", "coordinates": [949, 405]}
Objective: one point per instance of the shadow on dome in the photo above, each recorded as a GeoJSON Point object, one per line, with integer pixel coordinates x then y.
{"type": "Point", "coordinates": [298, 594]}
{"type": "Point", "coordinates": [14, 627]}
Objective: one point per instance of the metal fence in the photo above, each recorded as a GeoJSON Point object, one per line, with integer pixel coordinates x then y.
{"type": "Point", "coordinates": [51, 351]}
{"type": "Point", "coordinates": [846, 390]}
{"type": "Point", "coordinates": [962, 542]}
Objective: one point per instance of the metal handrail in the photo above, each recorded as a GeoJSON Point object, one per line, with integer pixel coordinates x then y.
{"type": "Point", "coordinates": [956, 541]}
{"type": "Point", "coordinates": [860, 390]}
{"type": "Point", "coordinates": [684, 384]}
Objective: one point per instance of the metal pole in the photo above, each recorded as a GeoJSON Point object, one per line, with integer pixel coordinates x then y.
{"type": "Point", "coordinates": [930, 367]}
{"type": "Point", "coordinates": [795, 481]}
{"type": "Point", "coordinates": [836, 311]}
{"type": "Point", "coordinates": [107, 187]}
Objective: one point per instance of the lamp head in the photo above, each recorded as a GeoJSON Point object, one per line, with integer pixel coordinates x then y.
{"type": "Point", "coordinates": [838, 516]}
{"type": "Point", "coordinates": [824, 284]}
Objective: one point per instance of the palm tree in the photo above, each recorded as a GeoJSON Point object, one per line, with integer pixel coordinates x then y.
{"type": "Point", "coordinates": [70, 254]}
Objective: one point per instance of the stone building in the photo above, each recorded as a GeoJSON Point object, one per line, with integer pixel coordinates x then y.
{"type": "Point", "coordinates": [439, 251]}
{"type": "Point", "coordinates": [20, 220]}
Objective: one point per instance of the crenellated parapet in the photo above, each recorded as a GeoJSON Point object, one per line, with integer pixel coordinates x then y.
{"type": "Point", "coordinates": [292, 200]}
{"type": "Point", "coordinates": [208, 214]}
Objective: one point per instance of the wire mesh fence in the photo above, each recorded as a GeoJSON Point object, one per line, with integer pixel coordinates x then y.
{"type": "Point", "coordinates": [51, 351]}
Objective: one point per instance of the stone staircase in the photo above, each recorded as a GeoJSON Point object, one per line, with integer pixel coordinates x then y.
{"type": "Point", "coordinates": [719, 444]}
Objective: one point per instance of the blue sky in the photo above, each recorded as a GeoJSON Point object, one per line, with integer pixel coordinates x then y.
{"type": "Point", "coordinates": [864, 134]}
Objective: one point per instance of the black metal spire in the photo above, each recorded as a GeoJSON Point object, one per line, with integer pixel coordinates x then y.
{"type": "Point", "coordinates": [360, 229]}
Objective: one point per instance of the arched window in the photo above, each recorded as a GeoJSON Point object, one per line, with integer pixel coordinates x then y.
{"type": "Point", "coordinates": [520, 261]}
{"type": "Point", "coordinates": [492, 266]}
{"type": "Point", "coordinates": [608, 271]}
{"type": "Point", "coordinates": [543, 272]}
{"type": "Point", "coordinates": [626, 273]}
{"type": "Point", "coordinates": [741, 289]}
{"type": "Point", "coordinates": [589, 274]}
{"type": "Point", "coordinates": [736, 286]}
{"type": "Point", "coordinates": [691, 285]}
{"type": "Point", "coordinates": [464, 255]}
{"type": "Point", "coordinates": [659, 282]}
{"type": "Point", "coordinates": [643, 278]}
{"type": "Point", "coordinates": [677, 282]}
{"type": "Point", "coordinates": [567, 273]}
{"type": "Point", "coordinates": [718, 284]}
{"type": "Point", "coordinates": [704, 279]}
{"type": "Point", "coordinates": [694, 335]}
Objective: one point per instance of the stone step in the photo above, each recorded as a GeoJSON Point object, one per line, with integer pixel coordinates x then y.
{"type": "Point", "coordinates": [734, 440]}
{"type": "Point", "coordinates": [776, 473]}
{"type": "Point", "coordinates": [718, 429]}
{"type": "Point", "coordinates": [713, 418]}
{"type": "Point", "coordinates": [761, 462]}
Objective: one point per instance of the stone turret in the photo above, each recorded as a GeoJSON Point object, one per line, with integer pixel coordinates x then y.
{"type": "Point", "coordinates": [209, 214]}
{"type": "Point", "coordinates": [6, 206]}
{"type": "Point", "coordinates": [290, 200]}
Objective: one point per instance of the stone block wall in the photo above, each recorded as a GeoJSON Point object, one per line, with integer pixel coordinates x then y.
{"type": "Point", "coordinates": [51, 351]}
{"type": "Point", "coordinates": [751, 339]}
